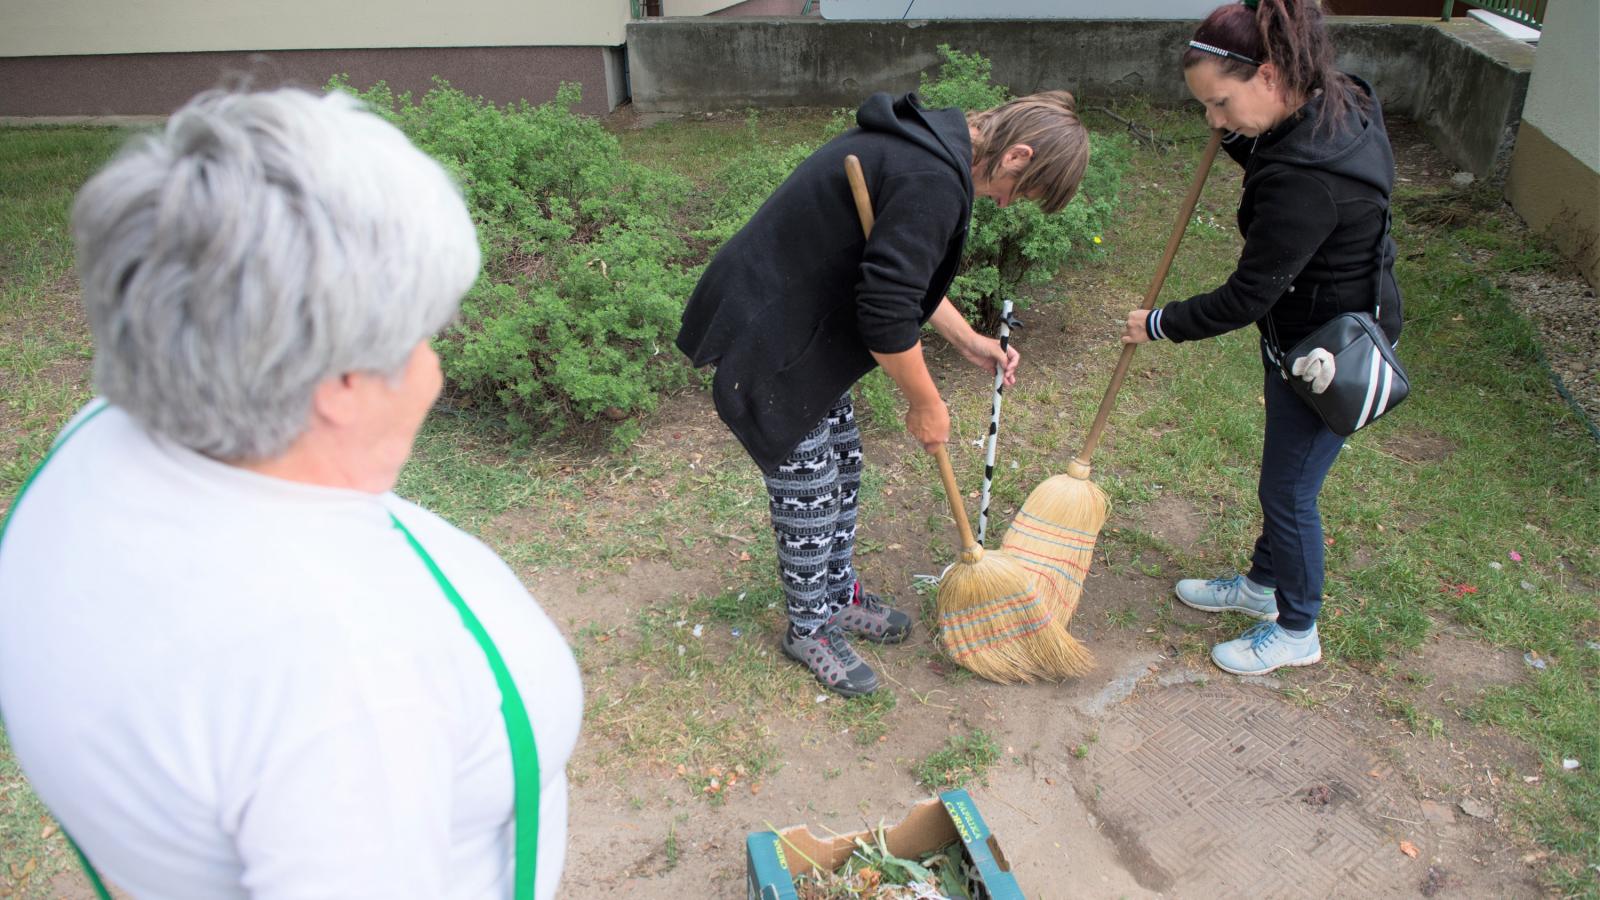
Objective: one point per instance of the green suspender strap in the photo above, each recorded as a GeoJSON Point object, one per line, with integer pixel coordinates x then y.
{"type": "Point", "coordinates": [524, 752]}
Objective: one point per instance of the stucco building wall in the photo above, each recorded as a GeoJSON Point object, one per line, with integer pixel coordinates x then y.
{"type": "Point", "coordinates": [1554, 181]}
{"type": "Point", "coordinates": [79, 27]}
{"type": "Point", "coordinates": [92, 57]}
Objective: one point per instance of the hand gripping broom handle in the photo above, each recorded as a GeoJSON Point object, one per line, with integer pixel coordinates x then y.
{"type": "Point", "coordinates": [970, 551]}
{"type": "Point", "coordinates": [1081, 463]}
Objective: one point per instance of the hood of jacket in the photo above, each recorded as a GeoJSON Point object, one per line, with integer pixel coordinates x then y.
{"type": "Point", "coordinates": [943, 132]}
{"type": "Point", "coordinates": [1356, 148]}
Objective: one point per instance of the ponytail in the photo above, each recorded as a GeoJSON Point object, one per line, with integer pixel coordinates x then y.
{"type": "Point", "coordinates": [1289, 34]}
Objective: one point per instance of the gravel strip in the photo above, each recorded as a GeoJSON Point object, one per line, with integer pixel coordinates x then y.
{"type": "Point", "coordinates": [1566, 314]}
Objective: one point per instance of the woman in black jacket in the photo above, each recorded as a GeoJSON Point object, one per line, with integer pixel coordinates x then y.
{"type": "Point", "coordinates": [798, 306]}
{"type": "Point", "coordinates": [1315, 213]}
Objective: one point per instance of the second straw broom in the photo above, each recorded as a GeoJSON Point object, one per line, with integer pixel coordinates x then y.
{"type": "Point", "coordinates": [1054, 534]}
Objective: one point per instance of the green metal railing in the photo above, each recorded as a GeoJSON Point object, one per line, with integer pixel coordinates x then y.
{"type": "Point", "coordinates": [1523, 12]}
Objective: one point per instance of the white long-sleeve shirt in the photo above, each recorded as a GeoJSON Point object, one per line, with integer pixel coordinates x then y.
{"type": "Point", "coordinates": [225, 684]}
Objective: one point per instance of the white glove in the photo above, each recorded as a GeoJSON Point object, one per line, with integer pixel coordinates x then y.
{"type": "Point", "coordinates": [1317, 368]}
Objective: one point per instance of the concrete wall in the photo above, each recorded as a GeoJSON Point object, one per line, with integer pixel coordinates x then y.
{"type": "Point", "coordinates": [1554, 181]}
{"type": "Point", "coordinates": [1462, 81]}
{"type": "Point", "coordinates": [158, 83]}
{"type": "Point", "coordinates": [78, 27]}
{"type": "Point", "coordinates": [683, 65]}
{"type": "Point", "coordinates": [1015, 9]}
{"type": "Point", "coordinates": [1476, 82]}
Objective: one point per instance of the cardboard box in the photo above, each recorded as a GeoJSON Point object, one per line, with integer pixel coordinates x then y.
{"type": "Point", "coordinates": [774, 859]}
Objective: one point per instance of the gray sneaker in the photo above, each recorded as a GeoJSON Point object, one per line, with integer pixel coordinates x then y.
{"type": "Point", "coordinates": [831, 658]}
{"type": "Point", "coordinates": [1234, 593]}
{"type": "Point", "coordinates": [867, 616]}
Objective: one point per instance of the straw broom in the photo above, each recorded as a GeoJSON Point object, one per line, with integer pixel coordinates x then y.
{"type": "Point", "coordinates": [991, 620]}
{"type": "Point", "coordinates": [1075, 649]}
{"type": "Point", "coordinates": [1054, 533]}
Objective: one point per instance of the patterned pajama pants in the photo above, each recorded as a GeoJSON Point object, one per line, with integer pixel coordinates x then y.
{"type": "Point", "coordinates": [813, 496]}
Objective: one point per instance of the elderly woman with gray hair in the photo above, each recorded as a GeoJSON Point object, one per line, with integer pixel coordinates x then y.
{"type": "Point", "coordinates": [232, 662]}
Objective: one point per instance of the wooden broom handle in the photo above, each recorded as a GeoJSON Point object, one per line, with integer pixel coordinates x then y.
{"type": "Point", "coordinates": [970, 550]}
{"type": "Point", "coordinates": [1184, 212]}
{"type": "Point", "coordinates": [858, 190]}
{"type": "Point", "coordinates": [958, 510]}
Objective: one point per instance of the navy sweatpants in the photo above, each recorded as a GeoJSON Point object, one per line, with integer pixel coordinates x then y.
{"type": "Point", "coordinates": [1296, 454]}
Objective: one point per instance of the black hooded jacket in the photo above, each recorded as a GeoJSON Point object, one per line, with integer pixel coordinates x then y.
{"type": "Point", "coordinates": [792, 307]}
{"type": "Point", "coordinates": [1314, 215]}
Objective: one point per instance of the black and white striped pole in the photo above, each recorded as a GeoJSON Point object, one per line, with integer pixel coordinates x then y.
{"type": "Point", "coordinates": [994, 422]}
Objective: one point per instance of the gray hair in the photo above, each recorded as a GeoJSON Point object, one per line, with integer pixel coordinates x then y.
{"type": "Point", "coordinates": [260, 244]}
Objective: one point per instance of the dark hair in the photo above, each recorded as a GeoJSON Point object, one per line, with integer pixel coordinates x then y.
{"type": "Point", "coordinates": [1290, 35]}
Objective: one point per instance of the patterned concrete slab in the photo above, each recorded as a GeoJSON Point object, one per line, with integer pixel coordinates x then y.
{"type": "Point", "coordinates": [1227, 791]}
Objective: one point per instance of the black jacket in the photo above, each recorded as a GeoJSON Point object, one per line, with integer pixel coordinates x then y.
{"type": "Point", "coordinates": [1314, 216]}
{"type": "Point", "coordinates": [791, 307]}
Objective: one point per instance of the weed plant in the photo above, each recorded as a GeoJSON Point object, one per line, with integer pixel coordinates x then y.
{"type": "Point", "coordinates": [963, 759]}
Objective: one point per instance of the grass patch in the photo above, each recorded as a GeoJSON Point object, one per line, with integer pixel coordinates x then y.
{"type": "Point", "coordinates": [44, 346]}
{"type": "Point", "coordinates": [35, 848]}
{"type": "Point", "coordinates": [1559, 713]}
{"type": "Point", "coordinates": [685, 144]}
{"type": "Point", "coordinates": [963, 759]}
{"type": "Point", "coordinates": [691, 699]}
{"type": "Point", "coordinates": [866, 718]}
{"type": "Point", "coordinates": [41, 170]}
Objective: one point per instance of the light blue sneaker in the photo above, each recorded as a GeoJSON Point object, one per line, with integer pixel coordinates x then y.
{"type": "Point", "coordinates": [1265, 648]}
{"type": "Point", "coordinates": [1234, 593]}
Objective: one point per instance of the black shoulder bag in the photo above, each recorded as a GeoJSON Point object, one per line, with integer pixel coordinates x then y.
{"type": "Point", "coordinates": [1367, 378]}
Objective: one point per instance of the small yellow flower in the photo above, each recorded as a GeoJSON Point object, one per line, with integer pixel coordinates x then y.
{"type": "Point", "coordinates": [1097, 239]}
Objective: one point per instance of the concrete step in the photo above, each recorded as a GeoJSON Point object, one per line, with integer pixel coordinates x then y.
{"type": "Point", "coordinates": [1514, 30]}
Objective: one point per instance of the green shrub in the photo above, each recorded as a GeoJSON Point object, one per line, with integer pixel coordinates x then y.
{"type": "Point", "coordinates": [963, 81]}
{"type": "Point", "coordinates": [585, 270]}
{"type": "Point", "coordinates": [588, 257]}
{"type": "Point", "coordinates": [1019, 245]}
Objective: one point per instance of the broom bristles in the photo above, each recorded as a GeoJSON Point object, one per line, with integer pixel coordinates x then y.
{"type": "Point", "coordinates": [1053, 538]}
{"type": "Point", "coordinates": [993, 622]}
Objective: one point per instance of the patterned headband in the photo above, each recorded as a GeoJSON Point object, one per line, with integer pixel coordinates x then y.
{"type": "Point", "coordinates": [1226, 54]}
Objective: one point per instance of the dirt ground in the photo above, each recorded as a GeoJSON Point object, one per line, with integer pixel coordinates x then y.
{"type": "Point", "coordinates": [1041, 799]}
{"type": "Point", "coordinates": [1424, 810]}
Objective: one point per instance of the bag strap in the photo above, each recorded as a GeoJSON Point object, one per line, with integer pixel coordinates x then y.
{"type": "Point", "coordinates": [524, 751]}
{"type": "Point", "coordinates": [1381, 250]}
